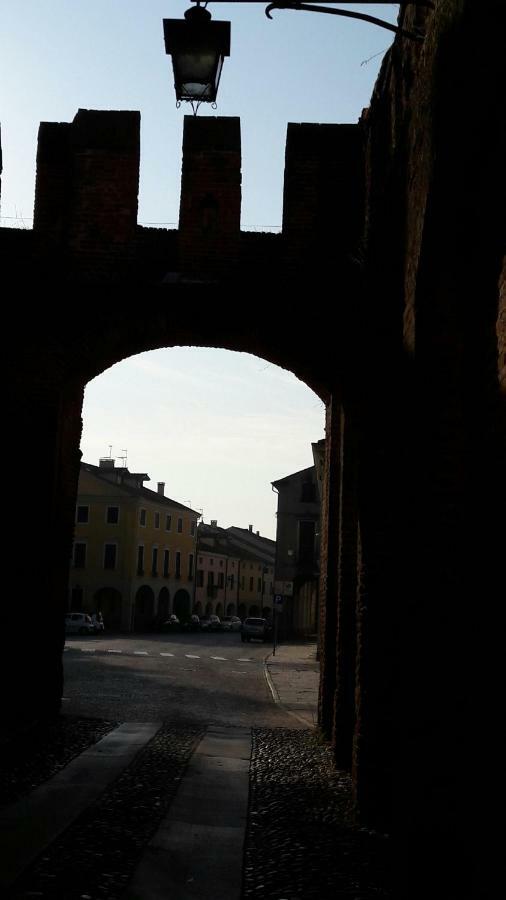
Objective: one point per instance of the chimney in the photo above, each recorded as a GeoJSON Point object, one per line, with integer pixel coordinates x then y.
{"type": "Point", "coordinates": [250, 528]}
{"type": "Point", "coordinates": [258, 534]}
{"type": "Point", "coordinates": [214, 523]}
{"type": "Point", "coordinates": [106, 463]}
{"type": "Point", "coordinates": [161, 488]}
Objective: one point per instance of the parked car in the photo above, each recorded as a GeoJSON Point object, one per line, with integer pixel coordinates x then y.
{"type": "Point", "coordinates": [172, 624]}
{"type": "Point", "coordinates": [255, 628]}
{"type": "Point", "coordinates": [230, 623]}
{"type": "Point", "coordinates": [210, 623]}
{"type": "Point", "coordinates": [191, 624]}
{"type": "Point", "coordinates": [78, 623]}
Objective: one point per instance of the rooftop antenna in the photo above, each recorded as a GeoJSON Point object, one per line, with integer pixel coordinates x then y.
{"type": "Point", "coordinates": [110, 450]}
{"type": "Point", "coordinates": [124, 458]}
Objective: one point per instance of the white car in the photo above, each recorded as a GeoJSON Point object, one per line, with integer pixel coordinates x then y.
{"type": "Point", "coordinates": [230, 623]}
{"type": "Point", "coordinates": [78, 623]}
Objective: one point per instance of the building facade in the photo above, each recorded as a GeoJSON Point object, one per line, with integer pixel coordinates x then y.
{"type": "Point", "coordinates": [232, 577]}
{"type": "Point", "coordinates": [297, 561]}
{"type": "Point", "coordinates": [133, 555]}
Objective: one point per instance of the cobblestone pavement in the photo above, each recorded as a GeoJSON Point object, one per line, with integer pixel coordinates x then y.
{"type": "Point", "coordinates": [301, 841]}
{"type": "Point", "coordinates": [26, 761]}
{"type": "Point", "coordinates": [95, 857]}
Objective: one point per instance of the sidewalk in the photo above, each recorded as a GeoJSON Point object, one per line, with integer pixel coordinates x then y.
{"type": "Point", "coordinates": [293, 676]}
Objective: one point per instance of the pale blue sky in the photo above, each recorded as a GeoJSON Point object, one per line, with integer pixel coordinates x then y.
{"type": "Point", "coordinates": [59, 55]}
{"type": "Point", "coordinates": [216, 426]}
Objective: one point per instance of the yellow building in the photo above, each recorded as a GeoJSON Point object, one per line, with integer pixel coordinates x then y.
{"type": "Point", "coordinates": [134, 550]}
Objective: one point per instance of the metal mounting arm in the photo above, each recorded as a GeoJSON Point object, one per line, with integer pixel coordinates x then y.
{"type": "Point", "coordinates": [293, 4]}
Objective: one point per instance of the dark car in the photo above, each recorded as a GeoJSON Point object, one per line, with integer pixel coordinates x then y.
{"type": "Point", "coordinates": [172, 624]}
{"type": "Point", "coordinates": [230, 623]}
{"type": "Point", "coordinates": [191, 624]}
{"type": "Point", "coordinates": [259, 629]}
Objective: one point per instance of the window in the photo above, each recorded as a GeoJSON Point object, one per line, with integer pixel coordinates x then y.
{"type": "Point", "coordinates": [166, 559]}
{"type": "Point", "coordinates": [200, 578]}
{"type": "Point", "coordinates": [221, 563]}
{"type": "Point", "coordinates": [110, 556]}
{"type": "Point", "coordinates": [231, 580]}
{"type": "Point", "coordinates": [140, 560]}
{"type": "Point", "coordinates": [211, 561]}
{"type": "Point", "coordinates": [259, 585]}
{"type": "Point", "coordinates": [306, 543]}
{"type": "Point", "coordinates": [221, 580]}
{"type": "Point", "coordinates": [154, 561]}
{"type": "Point", "coordinates": [242, 582]}
{"type": "Point", "coordinates": [79, 556]}
{"type": "Point", "coordinates": [142, 517]}
{"type": "Point", "coordinates": [190, 565]}
{"type": "Point", "coordinates": [192, 529]}
{"type": "Point", "coordinates": [179, 526]}
{"type": "Point", "coordinates": [112, 516]}
{"type": "Point", "coordinates": [178, 564]}
{"type": "Point", "coordinates": [251, 583]}
{"type": "Point", "coordinates": [210, 579]}
{"type": "Point", "coordinates": [83, 515]}
{"type": "Point", "coordinates": [157, 520]}
{"type": "Point", "coordinates": [168, 522]}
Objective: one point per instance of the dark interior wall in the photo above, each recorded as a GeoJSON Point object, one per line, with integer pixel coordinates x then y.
{"type": "Point", "coordinates": [434, 245]}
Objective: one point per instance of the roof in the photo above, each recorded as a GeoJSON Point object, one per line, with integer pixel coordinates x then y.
{"type": "Point", "coordinates": [309, 471]}
{"type": "Point", "coordinates": [141, 493]}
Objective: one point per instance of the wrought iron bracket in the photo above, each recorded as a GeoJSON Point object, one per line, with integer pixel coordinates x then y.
{"type": "Point", "coordinates": [294, 4]}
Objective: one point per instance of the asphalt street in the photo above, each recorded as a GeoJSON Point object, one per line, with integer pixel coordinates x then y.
{"type": "Point", "coordinates": [201, 678]}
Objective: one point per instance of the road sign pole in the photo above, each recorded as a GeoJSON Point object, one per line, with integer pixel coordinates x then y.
{"type": "Point", "coordinates": [275, 622]}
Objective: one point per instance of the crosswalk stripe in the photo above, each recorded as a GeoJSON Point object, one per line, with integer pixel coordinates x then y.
{"type": "Point", "coordinates": [166, 654]}
{"type": "Point", "coordinates": [191, 656]}
{"type": "Point", "coordinates": [141, 653]}
{"type": "Point", "coordinates": [221, 658]}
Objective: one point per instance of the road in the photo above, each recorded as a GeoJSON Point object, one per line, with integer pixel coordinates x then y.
{"type": "Point", "coordinates": [196, 678]}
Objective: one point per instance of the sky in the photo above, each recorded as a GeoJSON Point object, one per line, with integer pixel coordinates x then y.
{"type": "Point", "coordinates": [216, 426]}
{"type": "Point", "coordinates": [57, 56]}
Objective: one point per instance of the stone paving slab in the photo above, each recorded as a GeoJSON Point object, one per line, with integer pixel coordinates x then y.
{"type": "Point", "coordinates": [197, 852]}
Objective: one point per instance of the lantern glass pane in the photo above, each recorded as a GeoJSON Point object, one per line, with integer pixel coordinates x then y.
{"type": "Point", "coordinates": [199, 67]}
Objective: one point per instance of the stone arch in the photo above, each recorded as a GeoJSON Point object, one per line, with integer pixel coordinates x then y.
{"type": "Point", "coordinates": [242, 611]}
{"type": "Point", "coordinates": [219, 609]}
{"type": "Point", "coordinates": [197, 609]}
{"type": "Point", "coordinates": [209, 608]}
{"type": "Point", "coordinates": [230, 609]}
{"type": "Point", "coordinates": [163, 606]}
{"type": "Point", "coordinates": [144, 609]}
{"type": "Point", "coordinates": [254, 610]}
{"type": "Point", "coordinates": [182, 604]}
{"type": "Point", "coordinates": [108, 601]}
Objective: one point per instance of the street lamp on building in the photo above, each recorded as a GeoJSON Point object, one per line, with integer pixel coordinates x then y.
{"type": "Point", "coordinates": [198, 46]}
